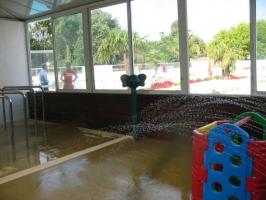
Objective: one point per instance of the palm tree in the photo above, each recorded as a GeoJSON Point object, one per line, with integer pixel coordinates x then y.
{"type": "Point", "coordinates": [196, 46]}
{"type": "Point", "coordinates": [228, 46]}
{"type": "Point", "coordinates": [117, 44]}
{"type": "Point", "coordinates": [226, 55]}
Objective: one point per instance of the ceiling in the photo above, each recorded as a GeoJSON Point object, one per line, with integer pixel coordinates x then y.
{"type": "Point", "coordinates": [23, 10]}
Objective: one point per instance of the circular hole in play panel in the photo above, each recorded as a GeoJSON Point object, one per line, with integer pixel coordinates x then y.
{"type": "Point", "coordinates": [237, 139]}
{"type": "Point", "coordinates": [233, 198]}
{"type": "Point", "coordinates": [217, 187]}
{"type": "Point", "coordinates": [217, 167]}
{"type": "Point", "coordinates": [236, 160]}
{"type": "Point", "coordinates": [235, 181]}
{"type": "Point", "coordinates": [219, 147]}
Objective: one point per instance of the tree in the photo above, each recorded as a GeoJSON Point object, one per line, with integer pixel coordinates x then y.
{"type": "Point", "coordinates": [102, 23]}
{"type": "Point", "coordinates": [117, 44]}
{"type": "Point", "coordinates": [196, 46]}
{"type": "Point", "coordinates": [261, 39]}
{"type": "Point", "coordinates": [240, 38]}
{"type": "Point", "coordinates": [164, 50]}
{"type": "Point", "coordinates": [226, 55]}
{"type": "Point", "coordinates": [228, 46]}
{"type": "Point", "coordinates": [169, 45]}
{"type": "Point", "coordinates": [78, 50]}
{"type": "Point", "coordinates": [154, 55]}
{"type": "Point", "coordinates": [67, 33]}
{"type": "Point", "coordinates": [40, 34]}
{"type": "Point", "coordinates": [167, 49]}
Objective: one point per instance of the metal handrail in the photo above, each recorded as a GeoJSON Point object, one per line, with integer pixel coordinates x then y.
{"type": "Point", "coordinates": [4, 113]}
{"type": "Point", "coordinates": [11, 125]}
{"type": "Point", "coordinates": [2, 91]}
{"type": "Point", "coordinates": [34, 99]}
{"type": "Point", "coordinates": [43, 109]}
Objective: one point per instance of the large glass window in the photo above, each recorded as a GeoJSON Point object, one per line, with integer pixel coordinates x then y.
{"type": "Point", "coordinates": [218, 40]}
{"type": "Point", "coordinates": [261, 45]}
{"type": "Point", "coordinates": [110, 46]}
{"type": "Point", "coordinates": [156, 43]}
{"type": "Point", "coordinates": [69, 47]}
{"type": "Point", "coordinates": [219, 46]}
{"type": "Point", "coordinates": [41, 54]}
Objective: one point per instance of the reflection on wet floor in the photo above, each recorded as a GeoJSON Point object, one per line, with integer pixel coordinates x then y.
{"type": "Point", "coordinates": [56, 142]}
{"type": "Point", "coordinates": [148, 169]}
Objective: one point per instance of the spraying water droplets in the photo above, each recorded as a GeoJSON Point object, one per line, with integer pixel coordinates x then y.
{"type": "Point", "coordinates": [181, 114]}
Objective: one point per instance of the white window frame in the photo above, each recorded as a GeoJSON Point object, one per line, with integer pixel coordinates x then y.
{"type": "Point", "coordinates": [183, 36]}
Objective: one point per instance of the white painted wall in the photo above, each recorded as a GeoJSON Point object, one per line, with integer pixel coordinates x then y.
{"type": "Point", "coordinates": [13, 63]}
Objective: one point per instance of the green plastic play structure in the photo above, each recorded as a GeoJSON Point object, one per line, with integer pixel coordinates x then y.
{"type": "Point", "coordinates": [253, 117]}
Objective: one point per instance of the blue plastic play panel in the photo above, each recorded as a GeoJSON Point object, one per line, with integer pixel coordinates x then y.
{"type": "Point", "coordinates": [228, 163]}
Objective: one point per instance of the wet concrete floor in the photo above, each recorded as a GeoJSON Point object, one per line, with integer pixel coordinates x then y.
{"type": "Point", "coordinates": [125, 169]}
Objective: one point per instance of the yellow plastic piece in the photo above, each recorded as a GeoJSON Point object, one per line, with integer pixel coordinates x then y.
{"type": "Point", "coordinates": [207, 128]}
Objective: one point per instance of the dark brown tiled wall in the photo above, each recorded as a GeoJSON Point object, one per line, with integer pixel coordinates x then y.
{"type": "Point", "coordinates": [157, 113]}
{"type": "Point", "coordinates": [88, 110]}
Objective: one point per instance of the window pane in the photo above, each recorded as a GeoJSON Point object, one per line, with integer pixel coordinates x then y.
{"type": "Point", "coordinates": [156, 43]}
{"type": "Point", "coordinates": [219, 42]}
{"type": "Point", "coordinates": [41, 52]}
{"type": "Point", "coordinates": [110, 46]}
{"type": "Point", "coordinates": [261, 45]}
{"type": "Point", "coordinates": [70, 52]}
{"type": "Point", "coordinates": [38, 7]}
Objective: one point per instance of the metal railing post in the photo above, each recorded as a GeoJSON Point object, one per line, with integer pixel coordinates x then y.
{"type": "Point", "coordinates": [11, 125]}
{"type": "Point", "coordinates": [43, 109]}
{"type": "Point", "coordinates": [2, 91]}
{"type": "Point", "coordinates": [34, 99]}
{"type": "Point", "coordinates": [4, 114]}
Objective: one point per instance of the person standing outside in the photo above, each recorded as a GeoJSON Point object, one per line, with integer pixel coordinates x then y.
{"type": "Point", "coordinates": [67, 77]}
{"type": "Point", "coordinates": [44, 81]}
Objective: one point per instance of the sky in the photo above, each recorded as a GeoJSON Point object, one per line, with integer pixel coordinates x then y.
{"type": "Point", "coordinates": [38, 7]}
{"type": "Point", "coordinates": [208, 17]}
{"type": "Point", "coordinates": [261, 11]}
{"type": "Point", "coordinates": [205, 17]}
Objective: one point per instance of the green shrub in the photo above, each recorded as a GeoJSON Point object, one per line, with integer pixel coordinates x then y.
{"type": "Point", "coordinates": [208, 78]}
{"type": "Point", "coordinates": [217, 77]}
